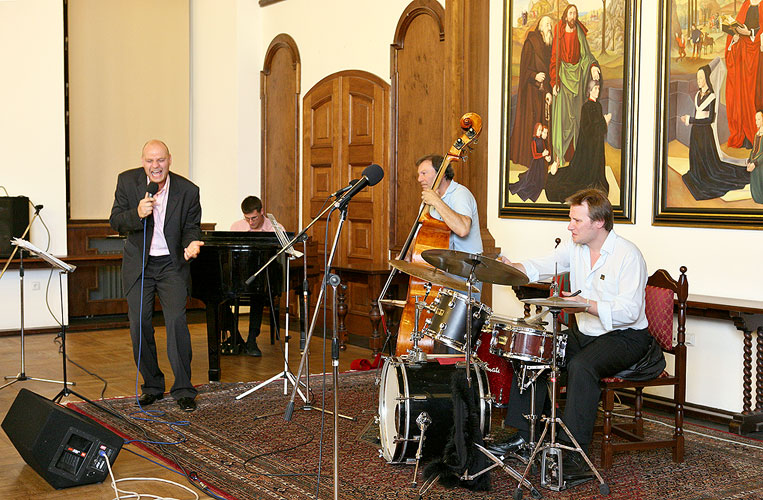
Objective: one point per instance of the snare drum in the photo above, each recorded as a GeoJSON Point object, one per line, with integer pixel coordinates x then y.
{"type": "Point", "coordinates": [407, 390]}
{"type": "Point", "coordinates": [522, 342]}
{"type": "Point", "coordinates": [448, 321]}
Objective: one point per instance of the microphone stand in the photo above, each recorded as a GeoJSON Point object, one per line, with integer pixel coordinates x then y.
{"type": "Point", "coordinates": [342, 206]}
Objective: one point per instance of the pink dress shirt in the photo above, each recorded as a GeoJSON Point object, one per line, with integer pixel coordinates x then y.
{"type": "Point", "coordinates": [158, 242]}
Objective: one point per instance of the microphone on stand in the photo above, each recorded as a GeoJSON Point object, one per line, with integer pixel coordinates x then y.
{"type": "Point", "coordinates": [344, 189]}
{"type": "Point", "coordinates": [372, 174]}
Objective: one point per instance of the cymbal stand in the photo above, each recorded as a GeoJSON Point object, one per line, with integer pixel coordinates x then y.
{"type": "Point", "coordinates": [415, 354]}
{"type": "Point", "coordinates": [552, 469]}
{"type": "Point", "coordinates": [468, 346]}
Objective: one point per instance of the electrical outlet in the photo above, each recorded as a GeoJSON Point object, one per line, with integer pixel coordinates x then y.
{"type": "Point", "coordinates": [36, 285]}
{"type": "Point", "coordinates": [690, 339]}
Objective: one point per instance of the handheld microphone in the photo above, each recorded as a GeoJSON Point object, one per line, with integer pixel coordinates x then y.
{"type": "Point", "coordinates": [372, 174]}
{"type": "Point", "coordinates": [344, 189]}
{"type": "Point", "coordinates": [152, 188]}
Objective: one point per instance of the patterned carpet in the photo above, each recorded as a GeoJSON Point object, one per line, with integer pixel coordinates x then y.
{"type": "Point", "coordinates": [246, 456]}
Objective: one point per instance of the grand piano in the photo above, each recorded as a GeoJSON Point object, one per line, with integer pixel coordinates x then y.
{"type": "Point", "coordinates": [219, 273]}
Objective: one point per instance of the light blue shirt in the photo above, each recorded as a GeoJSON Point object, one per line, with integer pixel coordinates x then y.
{"type": "Point", "coordinates": [461, 201]}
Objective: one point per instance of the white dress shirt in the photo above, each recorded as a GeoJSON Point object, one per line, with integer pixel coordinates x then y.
{"type": "Point", "coordinates": [617, 282]}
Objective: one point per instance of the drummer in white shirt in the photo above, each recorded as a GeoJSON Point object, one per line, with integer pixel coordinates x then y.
{"type": "Point", "coordinates": [611, 334]}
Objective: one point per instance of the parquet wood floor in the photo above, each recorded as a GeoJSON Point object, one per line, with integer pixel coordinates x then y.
{"type": "Point", "coordinates": [108, 353]}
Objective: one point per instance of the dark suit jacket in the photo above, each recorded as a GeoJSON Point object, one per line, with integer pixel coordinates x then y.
{"type": "Point", "coordinates": [182, 222]}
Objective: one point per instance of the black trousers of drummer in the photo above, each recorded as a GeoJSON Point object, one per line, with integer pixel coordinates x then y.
{"type": "Point", "coordinates": [587, 360]}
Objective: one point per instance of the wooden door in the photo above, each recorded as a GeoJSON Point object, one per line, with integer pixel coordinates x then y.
{"type": "Point", "coordinates": [279, 97]}
{"type": "Point", "coordinates": [346, 129]}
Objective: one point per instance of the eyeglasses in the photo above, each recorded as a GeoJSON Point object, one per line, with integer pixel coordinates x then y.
{"type": "Point", "coordinates": [251, 219]}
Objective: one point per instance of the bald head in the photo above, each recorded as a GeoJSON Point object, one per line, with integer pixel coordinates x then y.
{"type": "Point", "coordinates": [155, 143]}
{"type": "Point", "coordinates": [156, 161]}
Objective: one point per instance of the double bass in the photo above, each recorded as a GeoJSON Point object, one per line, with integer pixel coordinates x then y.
{"type": "Point", "coordinates": [428, 232]}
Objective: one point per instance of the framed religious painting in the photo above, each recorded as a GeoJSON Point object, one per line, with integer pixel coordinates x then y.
{"type": "Point", "coordinates": [709, 139]}
{"type": "Point", "coordinates": [568, 102]}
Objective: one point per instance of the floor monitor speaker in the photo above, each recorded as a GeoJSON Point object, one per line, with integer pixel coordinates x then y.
{"type": "Point", "coordinates": [61, 445]}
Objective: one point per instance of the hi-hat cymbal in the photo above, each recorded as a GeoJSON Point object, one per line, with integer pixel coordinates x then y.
{"type": "Point", "coordinates": [485, 269]}
{"type": "Point", "coordinates": [431, 275]}
{"type": "Point", "coordinates": [557, 303]}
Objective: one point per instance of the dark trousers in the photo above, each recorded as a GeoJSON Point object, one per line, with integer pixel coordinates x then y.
{"type": "Point", "coordinates": [255, 319]}
{"type": "Point", "coordinates": [588, 359]}
{"type": "Point", "coordinates": [162, 279]}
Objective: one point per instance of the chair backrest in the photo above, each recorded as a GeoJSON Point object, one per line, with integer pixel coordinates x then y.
{"type": "Point", "coordinates": [661, 290]}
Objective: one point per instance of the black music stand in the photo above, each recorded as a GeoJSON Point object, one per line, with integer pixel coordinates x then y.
{"type": "Point", "coordinates": [64, 268]}
{"type": "Point", "coordinates": [286, 374]}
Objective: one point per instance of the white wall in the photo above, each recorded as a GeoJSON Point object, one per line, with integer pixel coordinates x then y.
{"type": "Point", "coordinates": [32, 143]}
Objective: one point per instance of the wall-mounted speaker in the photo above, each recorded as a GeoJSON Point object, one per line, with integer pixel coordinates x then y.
{"type": "Point", "coordinates": [61, 445]}
{"type": "Point", "coordinates": [14, 218]}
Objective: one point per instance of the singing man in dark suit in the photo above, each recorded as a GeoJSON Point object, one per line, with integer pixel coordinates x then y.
{"type": "Point", "coordinates": [172, 222]}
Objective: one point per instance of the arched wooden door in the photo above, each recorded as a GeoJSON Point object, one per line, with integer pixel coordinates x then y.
{"type": "Point", "coordinates": [279, 96]}
{"type": "Point", "coordinates": [345, 129]}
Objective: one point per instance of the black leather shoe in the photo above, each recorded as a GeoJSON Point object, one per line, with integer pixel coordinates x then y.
{"type": "Point", "coordinates": [187, 403]}
{"type": "Point", "coordinates": [513, 445]}
{"type": "Point", "coordinates": [254, 351]}
{"type": "Point", "coordinates": [574, 467]}
{"type": "Point", "coordinates": [149, 399]}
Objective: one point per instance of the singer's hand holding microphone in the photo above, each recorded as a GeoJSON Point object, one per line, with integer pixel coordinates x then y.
{"type": "Point", "coordinates": [146, 205]}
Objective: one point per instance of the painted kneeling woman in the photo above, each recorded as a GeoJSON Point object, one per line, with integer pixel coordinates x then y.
{"type": "Point", "coordinates": [531, 182]}
{"type": "Point", "coordinates": [755, 162]}
{"type": "Point", "coordinates": [708, 177]}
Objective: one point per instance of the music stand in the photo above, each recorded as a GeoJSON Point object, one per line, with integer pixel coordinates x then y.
{"type": "Point", "coordinates": [285, 374]}
{"type": "Point", "coordinates": [64, 268]}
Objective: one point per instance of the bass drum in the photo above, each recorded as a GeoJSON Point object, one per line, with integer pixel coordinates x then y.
{"type": "Point", "coordinates": [406, 390]}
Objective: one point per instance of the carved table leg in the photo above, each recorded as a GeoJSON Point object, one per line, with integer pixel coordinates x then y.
{"type": "Point", "coordinates": [759, 372]}
{"type": "Point", "coordinates": [341, 313]}
{"type": "Point", "coordinates": [375, 317]}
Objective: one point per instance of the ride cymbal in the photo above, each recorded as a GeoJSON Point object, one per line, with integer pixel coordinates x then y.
{"type": "Point", "coordinates": [485, 269]}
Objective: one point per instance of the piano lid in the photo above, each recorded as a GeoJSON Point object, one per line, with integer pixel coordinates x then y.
{"type": "Point", "coordinates": [246, 239]}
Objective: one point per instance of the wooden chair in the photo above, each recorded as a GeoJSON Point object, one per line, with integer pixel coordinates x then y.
{"type": "Point", "coordinates": [661, 290]}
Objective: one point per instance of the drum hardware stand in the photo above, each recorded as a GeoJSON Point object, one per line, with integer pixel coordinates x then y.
{"type": "Point", "coordinates": [286, 375]}
{"type": "Point", "coordinates": [468, 347]}
{"type": "Point", "coordinates": [20, 245]}
{"type": "Point", "coordinates": [423, 421]}
{"type": "Point", "coordinates": [524, 382]}
{"type": "Point", "coordinates": [552, 469]}
{"type": "Point", "coordinates": [415, 354]}
{"type": "Point", "coordinates": [496, 462]}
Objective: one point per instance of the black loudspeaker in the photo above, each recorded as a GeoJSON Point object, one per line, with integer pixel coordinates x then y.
{"type": "Point", "coordinates": [61, 445]}
{"type": "Point", "coordinates": [14, 218]}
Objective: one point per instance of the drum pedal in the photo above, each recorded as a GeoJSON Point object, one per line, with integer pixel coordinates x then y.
{"type": "Point", "coordinates": [423, 421]}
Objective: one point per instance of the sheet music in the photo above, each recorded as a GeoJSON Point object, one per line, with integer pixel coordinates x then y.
{"type": "Point", "coordinates": [53, 261]}
{"type": "Point", "coordinates": [282, 238]}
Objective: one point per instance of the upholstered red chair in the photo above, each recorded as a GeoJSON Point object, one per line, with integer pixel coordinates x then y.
{"type": "Point", "coordinates": [661, 290]}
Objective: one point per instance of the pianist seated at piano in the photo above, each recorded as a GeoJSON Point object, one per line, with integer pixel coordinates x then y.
{"type": "Point", "coordinates": [254, 220]}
